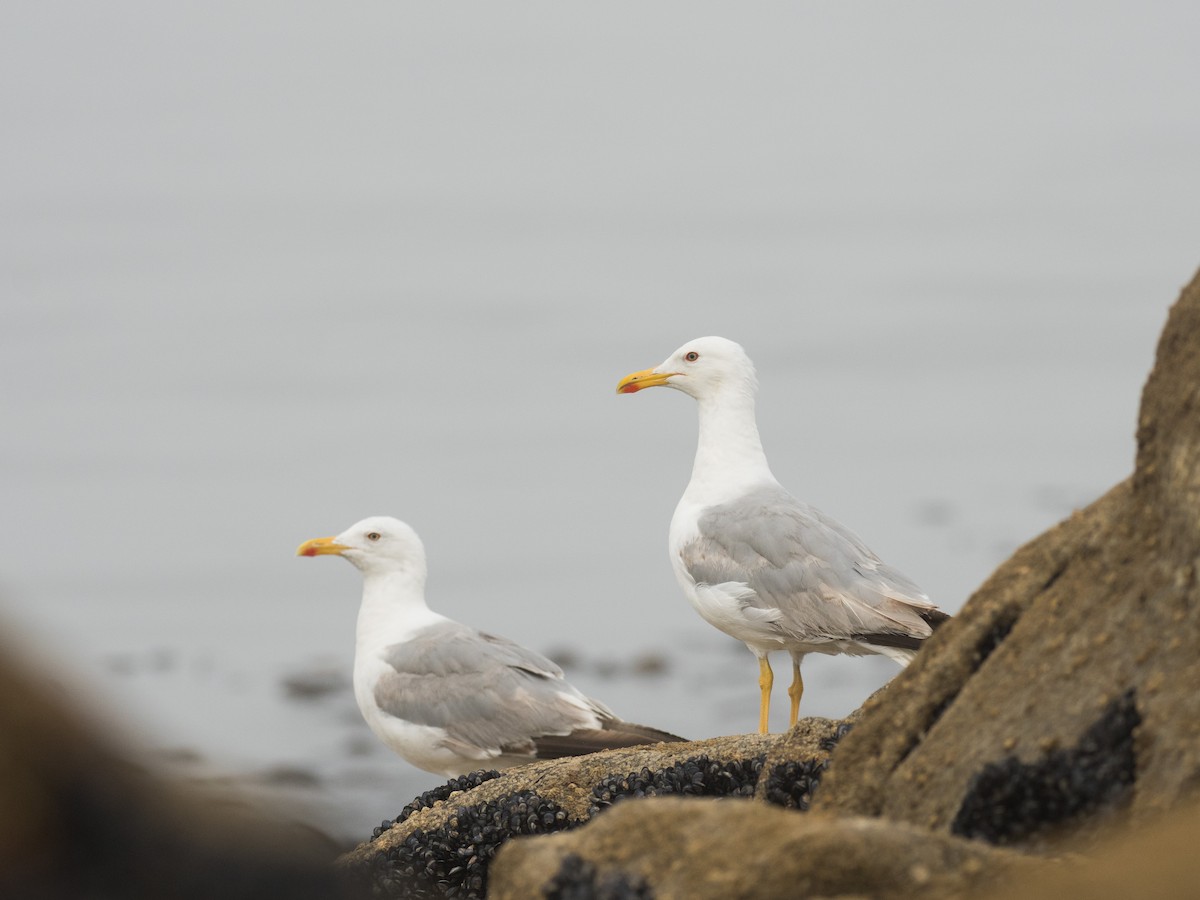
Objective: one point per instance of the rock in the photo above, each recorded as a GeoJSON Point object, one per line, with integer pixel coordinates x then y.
{"type": "Point", "coordinates": [1065, 691]}
{"type": "Point", "coordinates": [444, 842]}
{"type": "Point", "coordinates": [669, 848]}
{"type": "Point", "coordinates": [78, 819]}
{"type": "Point", "coordinates": [1154, 861]}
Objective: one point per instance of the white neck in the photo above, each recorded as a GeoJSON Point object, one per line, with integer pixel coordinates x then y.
{"type": "Point", "coordinates": [729, 452]}
{"type": "Point", "coordinates": [393, 607]}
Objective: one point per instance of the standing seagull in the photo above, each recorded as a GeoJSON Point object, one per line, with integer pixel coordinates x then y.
{"type": "Point", "coordinates": [448, 698]}
{"type": "Point", "coordinates": [756, 562]}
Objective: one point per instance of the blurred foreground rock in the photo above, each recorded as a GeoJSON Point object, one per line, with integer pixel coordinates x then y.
{"type": "Point", "coordinates": [1157, 861]}
{"type": "Point", "coordinates": [77, 819]}
{"type": "Point", "coordinates": [1058, 708]}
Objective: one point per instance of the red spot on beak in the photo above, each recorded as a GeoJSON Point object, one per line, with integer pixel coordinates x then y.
{"type": "Point", "coordinates": [309, 552]}
{"type": "Point", "coordinates": [631, 388]}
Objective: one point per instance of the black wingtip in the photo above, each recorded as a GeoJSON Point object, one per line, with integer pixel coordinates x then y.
{"type": "Point", "coordinates": [614, 735]}
{"type": "Point", "coordinates": [889, 639]}
{"type": "Point", "coordinates": [934, 617]}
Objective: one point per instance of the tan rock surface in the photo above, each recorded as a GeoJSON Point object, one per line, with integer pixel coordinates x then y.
{"type": "Point", "coordinates": [672, 848]}
{"type": "Point", "coordinates": [1154, 861]}
{"type": "Point", "coordinates": [1102, 607]}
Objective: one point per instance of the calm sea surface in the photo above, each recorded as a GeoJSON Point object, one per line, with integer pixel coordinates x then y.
{"type": "Point", "coordinates": [270, 268]}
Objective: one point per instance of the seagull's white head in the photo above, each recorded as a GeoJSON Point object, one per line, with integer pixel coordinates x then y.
{"type": "Point", "coordinates": [377, 545]}
{"type": "Point", "coordinates": [703, 367]}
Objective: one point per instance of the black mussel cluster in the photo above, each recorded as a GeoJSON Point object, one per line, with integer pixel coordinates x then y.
{"type": "Point", "coordinates": [830, 741]}
{"type": "Point", "coordinates": [452, 860]}
{"type": "Point", "coordinates": [577, 879]}
{"type": "Point", "coordinates": [699, 776]}
{"type": "Point", "coordinates": [1010, 801]}
{"type": "Point", "coordinates": [791, 784]}
{"type": "Point", "coordinates": [438, 794]}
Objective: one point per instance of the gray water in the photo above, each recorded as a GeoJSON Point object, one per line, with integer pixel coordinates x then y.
{"type": "Point", "coordinates": [269, 268]}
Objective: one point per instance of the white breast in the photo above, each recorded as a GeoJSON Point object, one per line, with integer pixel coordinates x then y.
{"type": "Point", "coordinates": [721, 605]}
{"type": "Point", "coordinates": [421, 745]}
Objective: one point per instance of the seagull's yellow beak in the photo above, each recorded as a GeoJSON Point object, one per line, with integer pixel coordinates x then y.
{"type": "Point", "coordinates": [320, 547]}
{"type": "Point", "coordinates": [633, 383]}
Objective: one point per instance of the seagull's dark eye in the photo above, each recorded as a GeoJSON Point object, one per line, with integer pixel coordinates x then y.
{"type": "Point", "coordinates": [691, 356]}
{"type": "Point", "coordinates": [373, 535]}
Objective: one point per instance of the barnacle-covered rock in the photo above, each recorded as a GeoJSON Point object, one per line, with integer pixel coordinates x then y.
{"type": "Point", "coordinates": [698, 776]}
{"type": "Point", "coordinates": [444, 842]}
{"type": "Point", "coordinates": [452, 859]}
{"type": "Point", "coordinates": [1065, 691]}
{"type": "Point", "coordinates": [438, 794]}
{"type": "Point", "coordinates": [1010, 801]}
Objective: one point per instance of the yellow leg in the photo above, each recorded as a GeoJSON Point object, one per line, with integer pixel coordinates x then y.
{"type": "Point", "coordinates": [765, 679]}
{"type": "Point", "coordinates": [795, 692]}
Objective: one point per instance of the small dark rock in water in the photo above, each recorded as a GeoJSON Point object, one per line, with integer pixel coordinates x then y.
{"type": "Point", "coordinates": [1009, 801]}
{"type": "Point", "coordinates": [316, 684]}
{"type": "Point", "coordinates": [178, 756]}
{"type": "Point", "coordinates": [650, 664]}
{"type": "Point", "coordinates": [290, 776]}
{"type": "Point", "coordinates": [699, 776]}
{"type": "Point", "coordinates": [565, 658]}
{"type": "Point", "coordinates": [452, 861]}
{"type": "Point", "coordinates": [608, 668]}
{"type": "Point", "coordinates": [361, 746]}
{"type": "Point", "coordinates": [156, 661]}
{"type": "Point", "coordinates": [438, 794]}
{"type": "Point", "coordinates": [576, 880]}
{"type": "Point", "coordinates": [120, 664]}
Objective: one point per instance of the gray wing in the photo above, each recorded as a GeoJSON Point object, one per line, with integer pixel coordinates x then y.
{"type": "Point", "coordinates": [488, 693]}
{"type": "Point", "coordinates": [824, 581]}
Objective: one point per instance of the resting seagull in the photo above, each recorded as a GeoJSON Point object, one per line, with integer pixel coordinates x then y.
{"type": "Point", "coordinates": [756, 562]}
{"type": "Point", "coordinates": [448, 698]}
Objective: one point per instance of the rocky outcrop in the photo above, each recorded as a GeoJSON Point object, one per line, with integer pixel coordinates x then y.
{"type": "Point", "coordinates": [443, 843]}
{"type": "Point", "coordinates": [1065, 690]}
